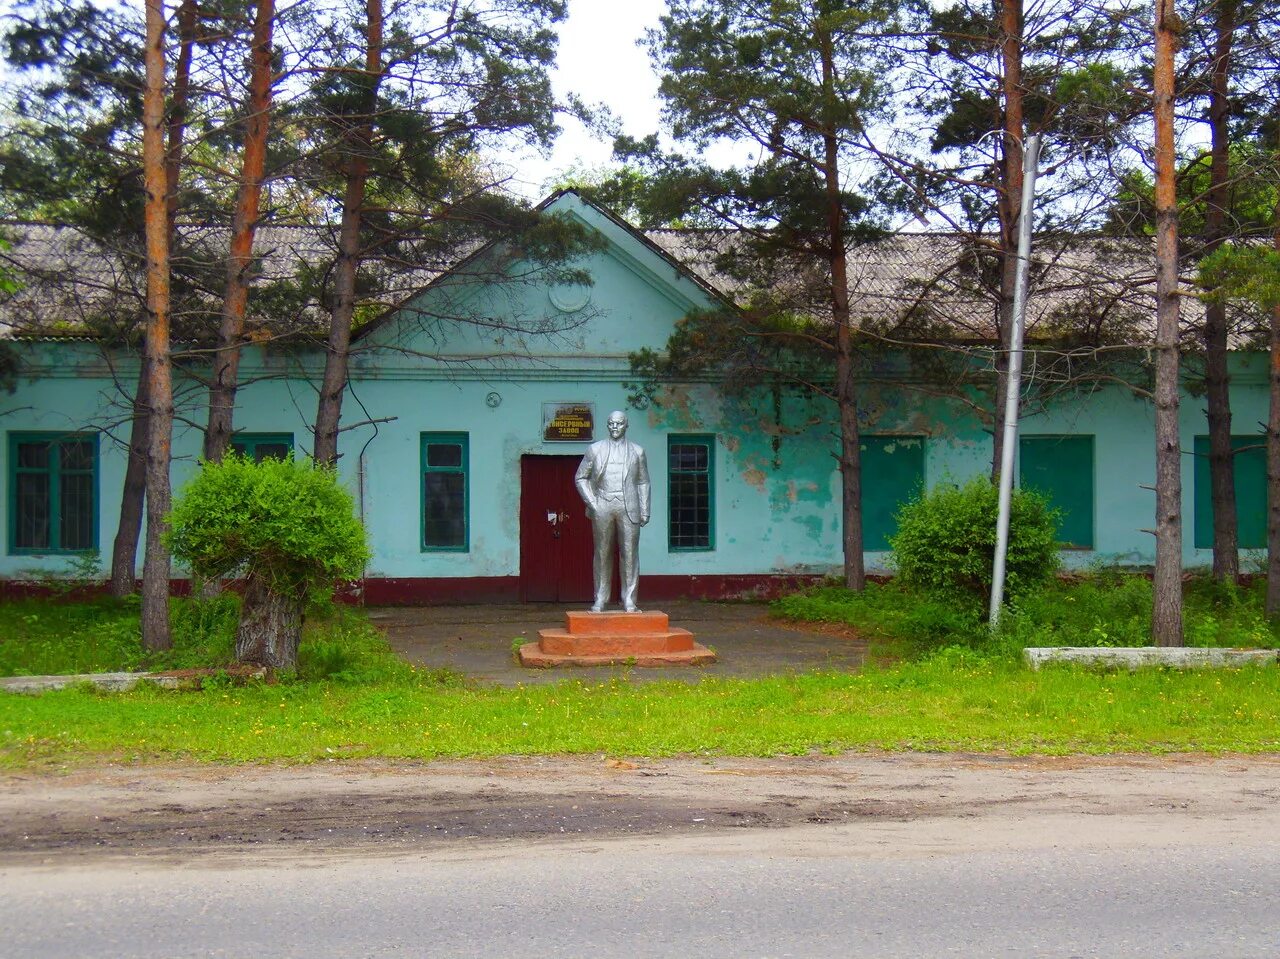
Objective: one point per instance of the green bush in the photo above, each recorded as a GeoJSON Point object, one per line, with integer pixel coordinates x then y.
{"type": "Point", "coordinates": [946, 541]}
{"type": "Point", "coordinates": [1104, 607]}
{"type": "Point", "coordinates": [287, 522]}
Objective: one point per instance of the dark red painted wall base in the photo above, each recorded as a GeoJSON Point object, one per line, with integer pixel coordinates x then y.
{"type": "Point", "coordinates": [742, 586]}
{"type": "Point", "coordinates": [36, 589]}
{"type": "Point", "coordinates": [506, 589]}
{"type": "Point", "coordinates": [422, 591]}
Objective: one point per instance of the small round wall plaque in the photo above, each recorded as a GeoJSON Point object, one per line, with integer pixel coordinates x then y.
{"type": "Point", "coordinates": [569, 298]}
{"type": "Point", "coordinates": [493, 400]}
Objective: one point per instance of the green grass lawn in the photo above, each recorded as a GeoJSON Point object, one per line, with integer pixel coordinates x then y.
{"type": "Point", "coordinates": [44, 637]}
{"type": "Point", "coordinates": [353, 698]}
{"type": "Point", "coordinates": [949, 702]}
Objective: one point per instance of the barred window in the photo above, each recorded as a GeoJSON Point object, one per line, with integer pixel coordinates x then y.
{"type": "Point", "coordinates": [53, 492]}
{"type": "Point", "coordinates": [691, 492]}
{"type": "Point", "coordinates": [263, 446]}
{"type": "Point", "coordinates": [444, 491]}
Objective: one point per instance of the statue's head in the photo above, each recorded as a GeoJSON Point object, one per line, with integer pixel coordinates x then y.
{"type": "Point", "coordinates": [617, 424]}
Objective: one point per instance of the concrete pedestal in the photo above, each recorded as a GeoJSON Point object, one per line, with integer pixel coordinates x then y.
{"type": "Point", "coordinates": [606, 639]}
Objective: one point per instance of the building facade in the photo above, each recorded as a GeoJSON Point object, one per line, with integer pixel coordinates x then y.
{"type": "Point", "coordinates": [463, 438]}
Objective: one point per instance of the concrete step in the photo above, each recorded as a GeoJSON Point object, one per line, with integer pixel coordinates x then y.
{"type": "Point", "coordinates": [615, 624]}
{"type": "Point", "coordinates": [532, 656]}
{"type": "Point", "coordinates": [567, 643]}
{"type": "Point", "coordinates": [606, 639]}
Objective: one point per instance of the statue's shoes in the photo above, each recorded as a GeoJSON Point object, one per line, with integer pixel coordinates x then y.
{"type": "Point", "coordinates": [631, 609]}
{"type": "Point", "coordinates": [597, 609]}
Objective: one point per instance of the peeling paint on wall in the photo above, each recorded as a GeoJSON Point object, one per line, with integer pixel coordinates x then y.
{"type": "Point", "coordinates": [812, 527]}
{"type": "Point", "coordinates": [803, 490]}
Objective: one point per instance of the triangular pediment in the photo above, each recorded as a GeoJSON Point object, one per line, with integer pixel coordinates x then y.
{"type": "Point", "coordinates": [488, 312]}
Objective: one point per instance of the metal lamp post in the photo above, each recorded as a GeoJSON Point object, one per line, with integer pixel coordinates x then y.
{"type": "Point", "coordinates": [1032, 155]}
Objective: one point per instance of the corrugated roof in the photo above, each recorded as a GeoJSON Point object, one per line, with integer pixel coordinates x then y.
{"type": "Point", "coordinates": [911, 285]}
{"type": "Point", "coordinates": [71, 283]}
{"type": "Point", "coordinates": [1088, 287]}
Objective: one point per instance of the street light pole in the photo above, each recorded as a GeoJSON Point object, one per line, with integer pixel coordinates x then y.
{"type": "Point", "coordinates": [1013, 387]}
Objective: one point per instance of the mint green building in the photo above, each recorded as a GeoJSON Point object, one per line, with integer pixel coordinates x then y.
{"type": "Point", "coordinates": [462, 467]}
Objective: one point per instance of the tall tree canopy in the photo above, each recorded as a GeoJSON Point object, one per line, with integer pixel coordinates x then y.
{"type": "Point", "coordinates": [272, 113]}
{"type": "Point", "coordinates": [394, 125]}
{"type": "Point", "coordinates": [798, 83]}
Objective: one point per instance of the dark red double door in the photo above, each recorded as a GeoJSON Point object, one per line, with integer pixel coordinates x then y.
{"type": "Point", "coordinates": [555, 534]}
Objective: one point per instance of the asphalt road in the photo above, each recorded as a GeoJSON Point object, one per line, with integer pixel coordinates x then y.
{"type": "Point", "coordinates": [808, 892]}
{"type": "Point", "coordinates": [855, 856]}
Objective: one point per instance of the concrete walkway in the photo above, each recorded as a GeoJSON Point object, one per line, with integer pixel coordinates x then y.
{"type": "Point", "coordinates": [477, 641]}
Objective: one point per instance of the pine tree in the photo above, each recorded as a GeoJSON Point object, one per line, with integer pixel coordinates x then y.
{"type": "Point", "coordinates": [410, 95]}
{"type": "Point", "coordinates": [1166, 616]}
{"type": "Point", "coordinates": [156, 564]}
{"type": "Point", "coordinates": [983, 76]}
{"type": "Point", "coordinates": [799, 83]}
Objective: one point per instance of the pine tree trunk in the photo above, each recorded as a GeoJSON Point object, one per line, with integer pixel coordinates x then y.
{"type": "Point", "coordinates": [1222, 473]}
{"type": "Point", "coordinates": [1273, 453]}
{"type": "Point", "coordinates": [124, 551]}
{"type": "Point", "coordinates": [334, 384]}
{"type": "Point", "coordinates": [1008, 207]}
{"type": "Point", "coordinates": [156, 565]}
{"type": "Point", "coordinates": [188, 16]}
{"type": "Point", "coordinates": [1166, 615]}
{"type": "Point", "coordinates": [846, 380]}
{"type": "Point", "coordinates": [1001, 392]}
{"type": "Point", "coordinates": [850, 469]}
{"type": "Point", "coordinates": [1226, 556]}
{"type": "Point", "coordinates": [270, 627]}
{"type": "Point", "coordinates": [244, 223]}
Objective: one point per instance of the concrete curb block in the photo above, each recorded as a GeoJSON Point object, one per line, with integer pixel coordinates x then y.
{"type": "Point", "coordinates": [1131, 657]}
{"type": "Point", "coordinates": [116, 682]}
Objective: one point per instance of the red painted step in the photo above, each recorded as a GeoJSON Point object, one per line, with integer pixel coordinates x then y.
{"type": "Point", "coordinates": [605, 639]}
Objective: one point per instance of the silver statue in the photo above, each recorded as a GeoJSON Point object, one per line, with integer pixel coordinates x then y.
{"type": "Point", "coordinates": [613, 480]}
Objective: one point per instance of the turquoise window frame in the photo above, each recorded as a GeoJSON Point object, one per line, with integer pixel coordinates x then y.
{"type": "Point", "coordinates": [54, 471]}
{"type": "Point", "coordinates": [251, 441]}
{"type": "Point", "coordinates": [883, 501]}
{"type": "Point", "coordinates": [445, 439]}
{"type": "Point", "coordinates": [1251, 491]}
{"type": "Point", "coordinates": [1072, 494]}
{"type": "Point", "coordinates": [707, 440]}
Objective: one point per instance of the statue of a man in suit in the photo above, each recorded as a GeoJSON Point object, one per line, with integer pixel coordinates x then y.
{"type": "Point", "coordinates": [613, 480]}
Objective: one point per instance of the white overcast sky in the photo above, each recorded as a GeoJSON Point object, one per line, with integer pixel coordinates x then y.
{"type": "Point", "coordinates": [601, 61]}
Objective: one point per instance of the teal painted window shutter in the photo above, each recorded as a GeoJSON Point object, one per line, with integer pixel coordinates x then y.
{"type": "Point", "coordinates": [1251, 492]}
{"type": "Point", "coordinates": [691, 493]}
{"type": "Point", "coordinates": [1060, 468]}
{"type": "Point", "coordinates": [892, 475]}
{"type": "Point", "coordinates": [263, 446]}
{"type": "Point", "coordinates": [53, 492]}
{"type": "Point", "coordinates": [445, 495]}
